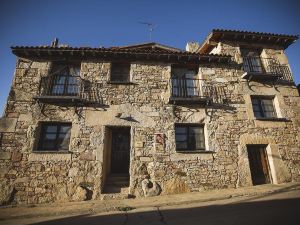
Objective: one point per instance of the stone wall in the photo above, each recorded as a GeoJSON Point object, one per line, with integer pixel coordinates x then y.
{"type": "Point", "coordinates": [28, 176]}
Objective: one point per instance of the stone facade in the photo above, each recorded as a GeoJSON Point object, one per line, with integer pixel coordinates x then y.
{"type": "Point", "coordinates": [29, 177]}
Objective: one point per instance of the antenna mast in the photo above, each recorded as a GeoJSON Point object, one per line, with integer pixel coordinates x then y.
{"type": "Point", "coordinates": [151, 28]}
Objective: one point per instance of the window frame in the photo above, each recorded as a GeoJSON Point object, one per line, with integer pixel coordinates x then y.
{"type": "Point", "coordinates": [189, 147]}
{"type": "Point", "coordinates": [260, 105]}
{"type": "Point", "coordinates": [254, 63]}
{"type": "Point", "coordinates": [186, 83]}
{"type": "Point", "coordinates": [43, 132]}
{"type": "Point", "coordinates": [65, 74]}
{"type": "Point", "coordinates": [128, 77]}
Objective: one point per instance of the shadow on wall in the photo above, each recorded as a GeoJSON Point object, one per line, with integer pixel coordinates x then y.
{"type": "Point", "coordinates": [283, 211]}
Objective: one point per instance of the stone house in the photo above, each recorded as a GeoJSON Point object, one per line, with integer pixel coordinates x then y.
{"type": "Point", "coordinates": [94, 123]}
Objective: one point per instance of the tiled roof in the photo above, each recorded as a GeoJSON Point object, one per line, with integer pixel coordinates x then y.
{"type": "Point", "coordinates": [151, 45]}
{"type": "Point", "coordinates": [218, 35]}
{"type": "Point", "coordinates": [102, 49]}
{"type": "Point", "coordinates": [48, 52]}
{"type": "Point", "coordinates": [255, 33]}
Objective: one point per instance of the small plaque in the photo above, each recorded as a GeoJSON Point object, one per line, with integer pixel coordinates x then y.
{"type": "Point", "coordinates": [139, 144]}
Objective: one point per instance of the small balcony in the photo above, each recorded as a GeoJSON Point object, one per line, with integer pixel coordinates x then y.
{"type": "Point", "coordinates": [265, 69]}
{"type": "Point", "coordinates": [185, 91]}
{"type": "Point", "coordinates": [67, 89]}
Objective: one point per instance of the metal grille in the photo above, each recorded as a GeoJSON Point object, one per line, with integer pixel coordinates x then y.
{"type": "Point", "coordinates": [187, 88]}
{"type": "Point", "coordinates": [64, 86]}
{"type": "Point", "coordinates": [266, 66]}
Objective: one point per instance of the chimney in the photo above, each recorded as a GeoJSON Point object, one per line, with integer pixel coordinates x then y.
{"type": "Point", "coordinates": [54, 43]}
{"type": "Point", "coordinates": [192, 46]}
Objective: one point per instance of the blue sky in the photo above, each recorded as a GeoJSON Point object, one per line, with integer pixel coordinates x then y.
{"type": "Point", "coordinates": [112, 23]}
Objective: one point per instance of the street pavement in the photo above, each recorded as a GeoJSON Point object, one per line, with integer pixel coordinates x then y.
{"type": "Point", "coordinates": [260, 205]}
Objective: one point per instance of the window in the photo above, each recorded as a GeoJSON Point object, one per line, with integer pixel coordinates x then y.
{"type": "Point", "coordinates": [251, 60]}
{"type": "Point", "coordinates": [185, 82]}
{"type": "Point", "coordinates": [54, 137]}
{"type": "Point", "coordinates": [189, 137]}
{"type": "Point", "coordinates": [263, 107]}
{"type": "Point", "coordinates": [65, 80]}
{"type": "Point", "coordinates": [120, 72]}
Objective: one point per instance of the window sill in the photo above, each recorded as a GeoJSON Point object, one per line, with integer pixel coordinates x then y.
{"type": "Point", "coordinates": [194, 151]}
{"type": "Point", "coordinates": [273, 119]}
{"type": "Point", "coordinates": [47, 152]}
{"type": "Point", "coordinates": [121, 82]}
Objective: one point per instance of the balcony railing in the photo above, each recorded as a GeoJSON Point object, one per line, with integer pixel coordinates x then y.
{"type": "Point", "coordinates": [267, 68]}
{"type": "Point", "coordinates": [62, 88]}
{"type": "Point", "coordinates": [188, 91]}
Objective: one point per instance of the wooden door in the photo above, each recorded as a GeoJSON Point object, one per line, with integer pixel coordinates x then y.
{"type": "Point", "coordinates": [259, 165]}
{"type": "Point", "coordinates": [120, 150]}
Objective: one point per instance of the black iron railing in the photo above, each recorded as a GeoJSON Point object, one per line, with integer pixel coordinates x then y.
{"type": "Point", "coordinates": [270, 66]}
{"type": "Point", "coordinates": [189, 89]}
{"type": "Point", "coordinates": [69, 87]}
{"type": "Point", "coordinates": [61, 85]}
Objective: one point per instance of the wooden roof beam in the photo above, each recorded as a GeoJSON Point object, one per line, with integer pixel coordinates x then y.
{"type": "Point", "coordinates": [26, 52]}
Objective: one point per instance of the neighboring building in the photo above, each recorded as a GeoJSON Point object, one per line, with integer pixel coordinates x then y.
{"type": "Point", "coordinates": [96, 123]}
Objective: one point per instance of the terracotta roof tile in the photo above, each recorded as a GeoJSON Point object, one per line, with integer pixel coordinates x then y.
{"type": "Point", "coordinates": [217, 35]}
{"type": "Point", "coordinates": [255, 33]}
{"type": "Point", "coordinates": [112, 49]}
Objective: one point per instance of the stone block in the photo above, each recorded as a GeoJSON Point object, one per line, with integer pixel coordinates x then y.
{"type": "Point", "coordinates": [12, 115]}
{"type": "Point", "coordinates": [61, 193]}
{"type": "Point", "coordinates": [73, 172]}
{"type": "Point", "coordinates": [3, 171]}
{"type": "Point", "coordinates": [153, 114]}
{"type": "Point", "coordinates": [175, 186]}
{"type": "Point", "coordinates": [270, 124]}
{"type": "Point", "coordinates": [22, 180]}
{"type": "Point", "coordinates": [51, 180]}
{"type": "Point", "coordinates": [87, 156]}
{"type": "Point", "coordinates": [16, 156]}
{"type": "Point", "coordinates": [54, 157]}
{"type": "Point", "coordinates": [159, 173]}
{"type": "Point", "coordinates": [5, 155]}
{"type": "Point", "coordinates": [80, 194]}
{"type": "Point", "coordinates": [5, 193]}
{"type": "Point", "coordinates": [7, 124]}
{"type": "Point", "coordinates": [145, 159]}
{"type": "Point", "coordinates": [25, 117]}
{"type": "Point", "coordinates": [150, 188]}
{"type": "Point", "coordinates": [139, 144]}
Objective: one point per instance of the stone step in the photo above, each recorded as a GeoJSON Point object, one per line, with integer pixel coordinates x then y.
{"type": "Point", "coordinates": [118, 180]}
{"type": "Point", "coordinates": [117, 183]}
{"type": "Point", "coordinates": [120, 183]}
{"type": "Point", "coordinates": [117, 196]}
{"type": "Point", "coordinates": [118, 176]}
{"type": "Point", "coordinates": [112, 189]}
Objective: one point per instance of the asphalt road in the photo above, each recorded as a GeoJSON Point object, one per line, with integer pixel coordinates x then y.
{"type": "Point", "coordinates": [273, 209]}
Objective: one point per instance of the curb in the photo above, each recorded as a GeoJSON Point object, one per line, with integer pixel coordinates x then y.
{"type": "Point", "coordinates": [92, 208]}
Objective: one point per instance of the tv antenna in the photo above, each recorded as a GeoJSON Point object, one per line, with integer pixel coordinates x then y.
{"type": "Point", "coordinates": [151, 28]}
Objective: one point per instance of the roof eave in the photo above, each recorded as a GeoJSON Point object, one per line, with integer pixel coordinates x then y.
{"type": "Point", "coordinates": [151, 44]}
{"type": "Point", "coordinates": [239, 36]}
{"type": "Point", "coordinates": [108, 54]}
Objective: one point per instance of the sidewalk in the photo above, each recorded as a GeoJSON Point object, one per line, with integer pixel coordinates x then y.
{"type": "Point", "coordinates": [99, 206]}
